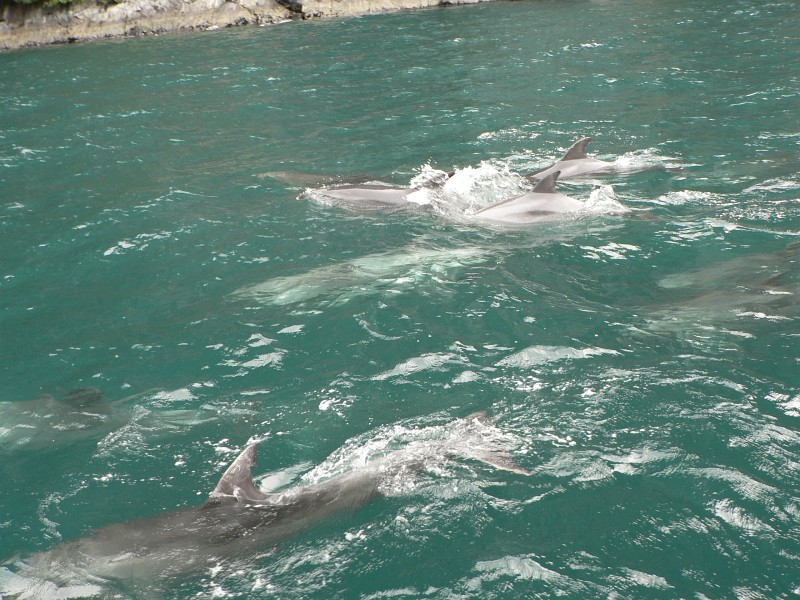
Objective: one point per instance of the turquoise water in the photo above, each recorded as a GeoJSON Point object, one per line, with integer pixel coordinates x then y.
{"type": "Point", "coordinates": [642, 358]}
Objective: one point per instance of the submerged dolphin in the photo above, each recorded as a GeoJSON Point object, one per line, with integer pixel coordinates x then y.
{"type": "Point", "coordinates": [364, 275]}
{"type": "Point", "coordinates": [79, 414]}
{"type": "Point", "coordinates": [751, 288]}
{"type": "Point", "coordinates": [237, 520]}
{"type": "Point", "coordinates": [574, 163]}
{"type": "Point", "coordinates": [540, 204]}
{"type": "Point", "coordinates": [84, 414]}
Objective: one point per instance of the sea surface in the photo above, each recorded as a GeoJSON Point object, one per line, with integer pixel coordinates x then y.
{"type": "Point", "coordinates": [173, 287]}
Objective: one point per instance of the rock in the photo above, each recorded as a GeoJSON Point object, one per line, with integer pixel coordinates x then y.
{"type": "Point", "coordinates": [26, 25]}
{"type": "Point", "coordinates": [344, 8]}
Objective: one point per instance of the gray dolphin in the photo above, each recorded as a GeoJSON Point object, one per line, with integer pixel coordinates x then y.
{"type": "Point", "coordinates": [302, 179]}
{"type": "Point", "coordinates": [377, 196]}
{"type": "Point", "coordinates": [364, 275]}
{"type": "Point", "coordinates": [756, 287]}
{"type": "Point", "coordinates": [365, 197]}
{"type": "Point", "coordinates": [79, 414]}
{"type": "Point", "coordinates": [574, 163]}
{"type": "Point", "coordinates": [540, 204]}
{"type": "Point", "coordinates": [237, 520]}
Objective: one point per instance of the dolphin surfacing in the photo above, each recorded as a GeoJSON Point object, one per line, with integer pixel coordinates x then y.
{"type": "Point", "coordinates": [378, 196]}
{"type": "Point", "coordinates": [540, 204]}
{"type": "Point", "coordinates": [365, 197]}
{"type": "Point", "coordinates": [574, 163]}
{"type": "Point", "coordinates": [237, 520]}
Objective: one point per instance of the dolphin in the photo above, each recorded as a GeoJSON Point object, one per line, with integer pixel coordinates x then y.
{"type": "Point", "coordinates": [540, 204]}
{"type": "Point", "coordinates": [369, 197]}
{"type": "Point", "coordinates": [302, 179]}
{"type": "Point", "coordinates": [574, 163]}
{"type": "Point", "coordinates": [84, 414]}
{"type": "Point", "coordinates": [79, 414]}
{"type": "Point", "coordinates": [378, 196]}
{"type": "Point", "coordinates": [237, 520]}
{"type": "Point", "coordinates": [364, 275]}
{"type": "Point", "coordinates": [756, 287]}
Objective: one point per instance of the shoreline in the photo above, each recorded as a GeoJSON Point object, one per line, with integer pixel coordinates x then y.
{"type": "Point", "coordinates": [25, 26]}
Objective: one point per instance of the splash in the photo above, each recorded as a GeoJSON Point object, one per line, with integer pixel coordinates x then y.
{"type": "Point", "coordinates": [604, 201]}
{"type": "Point", "coordinates": [647, 159]}
{"type": "Point", "coordinates": [473, 188]}
{"type": "Point", "coordinates": [430, 446]}
{"type": "Point", "coordinates": [428, 177]}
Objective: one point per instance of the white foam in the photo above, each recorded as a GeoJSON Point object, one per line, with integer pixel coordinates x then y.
{"type": "Point", "coordinates": [647, 158]}
{"type": "Point", "coordinates": [472, 188]}
{"type": "Point", "coordinates": [19, 587]}
{"type": "Point", "coordinates": [682, 197]}
{"type": "Point", "coordinates": [736, 516]}
{"type": "Point", "coordinates": [466, 377]}
{"type": "Point", "coordinates": [537, 355]}
{"type": "Point", "coordinates": [603, 200]}
{"type": "Point", "coordinates": [292, 329]}
{"type": "Point", "coordinates": [263, 360]}
{"type": "Point", "coordinates": [792, 407]}
{"type": "Point", "coordinates": [428, 177]}
{"type": "Point", "coordinates": [517, 567]}
{"type": "Point", "coordinates": [418, 363]}
{"type": "Point", "coordinates": [432, 446]}
{"type": "Point", "coordinates": [182, 394]}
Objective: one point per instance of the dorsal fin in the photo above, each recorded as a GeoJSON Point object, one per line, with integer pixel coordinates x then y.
{"type": "Point", "coordinates": [548, 184]}
{"type": "Point", "coordinates": [577, 150]}
{"type": "Point", "coordinates": [237, 481]}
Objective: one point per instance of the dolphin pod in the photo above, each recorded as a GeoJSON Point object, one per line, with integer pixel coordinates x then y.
{"type": "Point", "coordinates": [366, 197]}
{"type": "Point", "coordinates": [237, 520]}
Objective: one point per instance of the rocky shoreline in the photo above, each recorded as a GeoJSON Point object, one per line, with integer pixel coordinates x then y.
{"type": "Point", "coordinates": [24, 25]}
